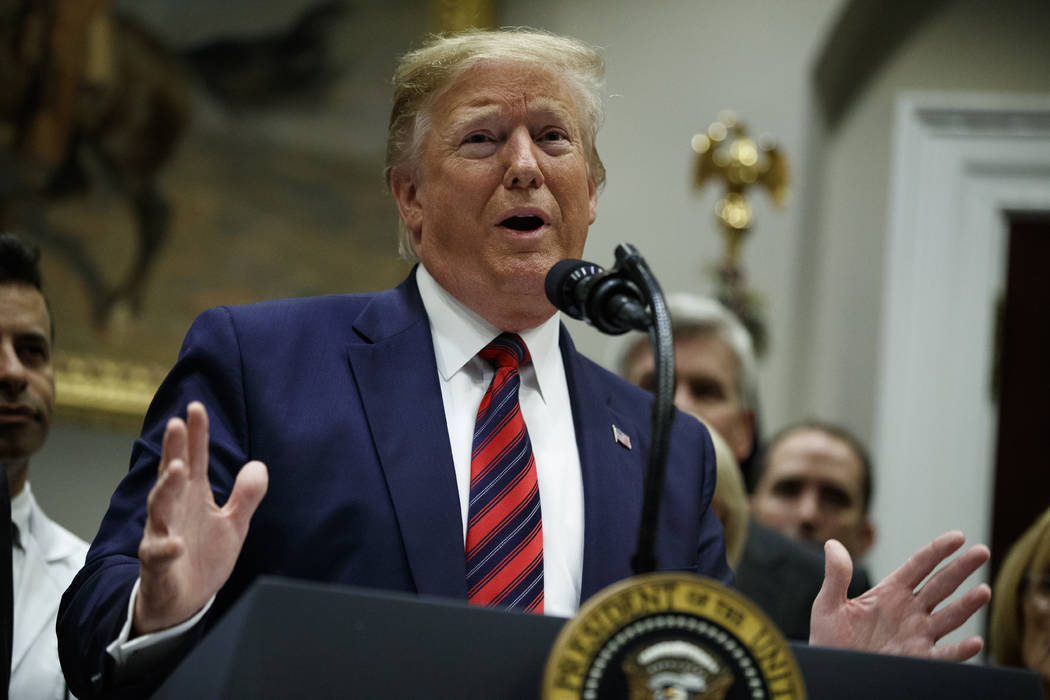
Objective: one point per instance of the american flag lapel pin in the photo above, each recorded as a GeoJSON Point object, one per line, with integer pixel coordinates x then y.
{"type": "Point", "coordinates": [621, 438]}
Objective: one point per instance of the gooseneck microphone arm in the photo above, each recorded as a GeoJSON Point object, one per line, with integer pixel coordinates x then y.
{"type": "Point", "coordinates": [662, 418]}
{"type": "Point", "coordinates": [628, 297]}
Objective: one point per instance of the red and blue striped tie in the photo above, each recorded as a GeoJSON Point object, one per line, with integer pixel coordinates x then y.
{"type": "Point", "coordinates": [504, 530]}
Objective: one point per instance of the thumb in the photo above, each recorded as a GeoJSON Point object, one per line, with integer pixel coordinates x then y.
{"type": "Point", "coordinates": [838, 570]}
{"type": "Point", "coordinates": [248, 492]}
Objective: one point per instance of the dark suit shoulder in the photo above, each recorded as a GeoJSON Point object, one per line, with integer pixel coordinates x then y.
{"type": "Point", "coordinates": [768, 546]}
{"type": "Point", "coordinates": [330, 317]}
{"type": "Point", "coordinates": [615, 384]}
{"type": "Point", "coordinates": [296, 310]}
{"type": "Point", "coordinates": [781, 576]}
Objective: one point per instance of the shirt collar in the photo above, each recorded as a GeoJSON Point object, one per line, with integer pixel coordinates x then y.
{"type": "Point", "coordinates": [21, 508]}
{"type": "Point", "coordinates": [460, 334]}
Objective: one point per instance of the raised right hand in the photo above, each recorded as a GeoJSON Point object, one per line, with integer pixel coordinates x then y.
{"type": "Point", "coordinates": [190, 545]}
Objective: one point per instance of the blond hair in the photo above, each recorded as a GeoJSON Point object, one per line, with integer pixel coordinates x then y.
{"type": "Point", "coordinates": [1030, 555]}
{"type": "Point", "coordinates": [730, 499]}
{"type": "Point", "coordinates": [422, 75]}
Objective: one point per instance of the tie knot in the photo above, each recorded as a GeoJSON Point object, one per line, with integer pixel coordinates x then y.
{"type": "Point", "coordinates": [507, 350]}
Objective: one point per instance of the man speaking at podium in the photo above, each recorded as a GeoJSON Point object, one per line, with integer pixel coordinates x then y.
{"type": "Point", "coordinates": [443, 437]}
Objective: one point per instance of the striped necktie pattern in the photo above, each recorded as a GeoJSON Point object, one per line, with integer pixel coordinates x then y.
{"type": "Point", "coordinates": [504, 547]}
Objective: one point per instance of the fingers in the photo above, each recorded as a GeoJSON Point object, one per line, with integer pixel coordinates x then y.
{"type": "Point", "coordinates": [248, 491]}
{"type": "Point", "coordinates": [943, 583]}
{"type": "Point", "coordinates": [838, 569]}
{"type": "Point", "coordinates": [919, 565]}
{"type": "Point", "coordinates": [165, 498]}
{"type": "Point", "coordinates": [173, 446]}
{"type": "Point", "coordinates": [155, 553]}
{"type": "Point", "coordinates": [197, 428]}
{"type": "Point", "coordinates": [966, 649]}
{"type": "Point", "coordinates": [959, 611]}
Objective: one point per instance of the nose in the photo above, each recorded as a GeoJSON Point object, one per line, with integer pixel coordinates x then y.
{"type": "Point", "coordinates": [808, 514]}
{"type": "Point", "coordinates": [12, 371]}
{"type": "Point", "coordinates": [523, 170]}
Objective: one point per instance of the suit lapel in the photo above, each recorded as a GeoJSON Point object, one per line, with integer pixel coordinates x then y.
{"type": "Point", "coordinates": [396, 374]}
{"type": "Point", "coordinates": [612, 475]}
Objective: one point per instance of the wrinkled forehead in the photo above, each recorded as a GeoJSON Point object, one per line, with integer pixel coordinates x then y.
{"type": "Point", "coordinates": [812, 455]}
{"type": "Point", "coordinates": [501, 86]}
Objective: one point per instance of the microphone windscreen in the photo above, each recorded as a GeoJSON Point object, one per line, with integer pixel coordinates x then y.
{"type": "Point", "coordinates": [562, 280]}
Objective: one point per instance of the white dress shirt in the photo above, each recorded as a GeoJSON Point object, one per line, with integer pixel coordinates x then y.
{"type": "Point", "coordinates": [459, 335]}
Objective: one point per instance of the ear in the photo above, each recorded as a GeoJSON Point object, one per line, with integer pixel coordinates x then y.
{"type": "Point", "coordinates": [867, 536]}
{"type": "Point", "coordinates": [407, 193]}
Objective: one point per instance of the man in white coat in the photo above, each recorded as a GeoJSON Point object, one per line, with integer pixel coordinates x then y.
{"type": "Point", "coordinates": [44, 556]}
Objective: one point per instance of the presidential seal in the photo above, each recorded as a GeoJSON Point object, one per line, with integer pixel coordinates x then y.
{"type": "Point", "coordinates": [667, 636]}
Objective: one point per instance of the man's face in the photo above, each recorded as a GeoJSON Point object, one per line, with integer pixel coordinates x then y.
{"type": "Point", "coordinates": [811, 489]}
{"type": "Point", "coordinates": [27, 381]}
{"type": "Point", "coordinates": [502, 190]}
{"type": "Point", "coordinates": [705, 385]}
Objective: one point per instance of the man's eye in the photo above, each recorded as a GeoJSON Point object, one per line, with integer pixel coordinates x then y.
{"type": "Point", "coordinates": [33, 353]}
{"type": "Point", "coordinates": [553, 135]}
{"type": "Point", "coordinates": [787, 488]}
{"type": "Point", "coordinates": [705, 389]}
{"type": "Point", "coordinates": [836, 497]}
{"type": "Point", "coordinates": [476, 138]}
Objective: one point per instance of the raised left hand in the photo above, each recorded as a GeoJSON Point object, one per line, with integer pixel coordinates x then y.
{"type": "Point", "coordinates": [898, 615]}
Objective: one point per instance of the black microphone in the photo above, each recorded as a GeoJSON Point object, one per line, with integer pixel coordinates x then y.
{"type": "Point", "coordinates": [608, 301]}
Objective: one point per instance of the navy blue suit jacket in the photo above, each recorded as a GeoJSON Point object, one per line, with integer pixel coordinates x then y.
{"type": "Point", "coordinates": [339, 397]}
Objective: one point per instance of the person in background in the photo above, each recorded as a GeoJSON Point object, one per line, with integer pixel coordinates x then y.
{"type": "Point", "coordinates": [1019, 626]}
{"type": "Point", "coordinates": [716, 375]}
{"type": "Point", "coordinates": [45, 556]}
{"type": "Point", "coordinates": [815, 484]}
{"type": "Point", "coordinates": [730, 500]}
{"type": "Point", "coordinates": [716, 380]}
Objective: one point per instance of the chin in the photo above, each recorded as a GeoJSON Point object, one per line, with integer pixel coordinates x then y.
{"type": "Point", "coordinates": [526, 274]}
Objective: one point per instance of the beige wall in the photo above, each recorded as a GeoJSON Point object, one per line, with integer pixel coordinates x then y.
{"type": "Point", "coordinates": [75, 474]}
{"type": "Point", "coordinates": [971, 46]}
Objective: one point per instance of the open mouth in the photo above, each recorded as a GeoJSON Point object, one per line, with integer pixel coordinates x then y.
{"type": "Point", "coordinates": [522, 223]}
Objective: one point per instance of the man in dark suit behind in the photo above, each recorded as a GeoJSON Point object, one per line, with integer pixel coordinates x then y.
{"type": "Point", "coordinates": [354, 415]}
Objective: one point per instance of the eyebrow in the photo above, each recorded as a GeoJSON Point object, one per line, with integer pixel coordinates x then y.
{"type": "Point", "coordinates": [482, 109]}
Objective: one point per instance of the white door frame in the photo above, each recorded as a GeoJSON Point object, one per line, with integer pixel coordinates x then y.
{"type": "Point", "coordinates": [961, 162]}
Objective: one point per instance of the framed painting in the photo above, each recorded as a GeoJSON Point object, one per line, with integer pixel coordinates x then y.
{"type": "Point", "coordinates": [219, 154]}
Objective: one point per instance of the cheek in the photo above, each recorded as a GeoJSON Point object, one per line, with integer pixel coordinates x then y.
{"type": "Point", "coordinates": [1035, 642]}
{"type": "Point", "coordinates": [44, 387]}
{"type": "Point", "coordinates": [775, 507]}
{"type": "Point", "coordinates": [851, 518]}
